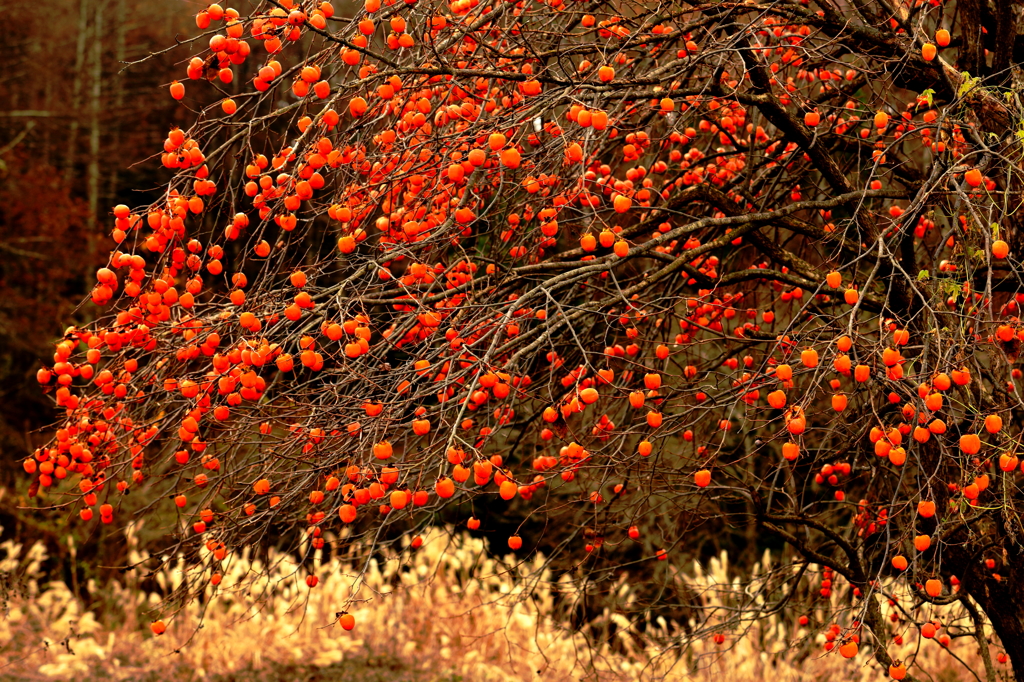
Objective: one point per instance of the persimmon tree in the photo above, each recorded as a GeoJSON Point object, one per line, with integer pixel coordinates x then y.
{"type": "Point", "coordinates": [630, 274]}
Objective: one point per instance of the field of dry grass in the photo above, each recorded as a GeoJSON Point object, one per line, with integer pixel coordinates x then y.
{"type": "Point", "coordinates": [445, 613]}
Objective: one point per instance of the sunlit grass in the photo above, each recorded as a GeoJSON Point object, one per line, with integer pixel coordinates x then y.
{"type": "Point", "coordinates": [447, 611]}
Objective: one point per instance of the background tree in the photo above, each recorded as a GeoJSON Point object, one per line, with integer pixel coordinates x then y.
{"type": "Point", "coordinates": [617, 282]}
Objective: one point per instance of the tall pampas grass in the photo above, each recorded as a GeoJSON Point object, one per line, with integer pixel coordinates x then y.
{"type": "Point", "coordinates": [447, 611]}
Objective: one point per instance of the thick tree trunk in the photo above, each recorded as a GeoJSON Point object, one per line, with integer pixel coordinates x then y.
{"type": "Point", "coordinates": [1003, 33]}
{"type": "Point", "coordinates": [1002, 601]}
{"type": "Point", "coordinates": [1006, 613]}
{"type": "Point", "coordinates": [971, 55]}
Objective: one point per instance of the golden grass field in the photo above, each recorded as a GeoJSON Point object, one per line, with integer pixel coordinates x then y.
{"type": "Point", "coordinates": [445, 613]}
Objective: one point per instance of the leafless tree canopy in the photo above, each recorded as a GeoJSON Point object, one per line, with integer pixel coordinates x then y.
{"type": "Point", "coordinates": [624, 282]}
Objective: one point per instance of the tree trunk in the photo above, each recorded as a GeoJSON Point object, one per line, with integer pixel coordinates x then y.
{"type": "Point", "coordinates": [971, 56]}
{"type": "Point", "coordinates": [76, 89]}
{"type": "Point", "coordinates": [47, 128]}
{"type": "Point", "coordinates": [1003, 33]}
{"type": "Point", "coordinates": [115, 112]}
{"type": "Point", "coordinates": [1003, 609]}
{"type": "Point", "coordinates": [95, 110]}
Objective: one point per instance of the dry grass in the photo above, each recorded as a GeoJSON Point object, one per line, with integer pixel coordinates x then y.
{"type": "Point", "coordinates": [445, 613]}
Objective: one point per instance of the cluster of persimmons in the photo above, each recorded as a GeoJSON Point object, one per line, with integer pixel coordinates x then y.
{"type": "Point", "coordinates": [608, 264]}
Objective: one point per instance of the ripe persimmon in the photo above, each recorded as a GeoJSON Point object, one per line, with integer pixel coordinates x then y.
{"type": "Point", "coordinates": [357, 106]}
{"type": "Point", "coordinates": [970, 443]}
{"type": "Point", "coordinates": [444, 487]}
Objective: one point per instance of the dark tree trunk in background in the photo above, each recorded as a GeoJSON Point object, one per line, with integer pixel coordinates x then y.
{"type": "Point", "coordinates": [1002, 603]}
{"type": "Point", "coordinates": [116, 112]}
{"type": "Point", "coordinates": [76, 89]}
{"type": "Point", "coordinates": [95, 131]}
{"type": "Point", "coordinates": [971, 54]}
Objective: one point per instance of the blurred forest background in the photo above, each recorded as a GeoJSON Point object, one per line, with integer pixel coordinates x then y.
{"type": "Point", "coordinates": [81, 120]}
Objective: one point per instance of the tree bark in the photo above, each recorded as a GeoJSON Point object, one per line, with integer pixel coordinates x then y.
{"type": "Point", "coordinates": [1002, 606]}
{"type": "Point", "coordinates": [971, 56]}
{"type": "Point", "coordinates": [1003, 34]}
